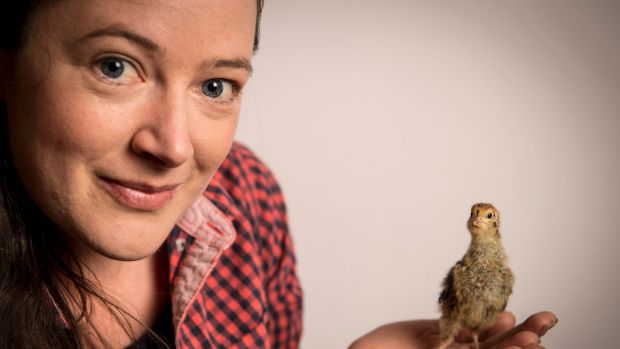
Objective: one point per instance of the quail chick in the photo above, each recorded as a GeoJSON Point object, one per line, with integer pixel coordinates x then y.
{"type": "Point", "coordinates": [477, 287]}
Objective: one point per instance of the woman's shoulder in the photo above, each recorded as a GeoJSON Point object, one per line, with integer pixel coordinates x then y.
{"type": "Point", "coordinates": [241, 161]}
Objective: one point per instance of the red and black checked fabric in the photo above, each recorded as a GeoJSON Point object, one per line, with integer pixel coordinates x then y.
{"type": "Point", "coordinates": [252, 297]}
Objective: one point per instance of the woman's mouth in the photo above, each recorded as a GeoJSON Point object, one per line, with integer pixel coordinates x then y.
{"type": "Point", "coordinates": [139, 196]}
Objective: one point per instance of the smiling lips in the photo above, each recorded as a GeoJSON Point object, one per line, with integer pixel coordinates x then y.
{"type": "Point", "coordinates": [139, 196]}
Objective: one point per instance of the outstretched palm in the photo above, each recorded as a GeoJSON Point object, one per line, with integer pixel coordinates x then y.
{"type": "Point", "coordinates": [424, 334]}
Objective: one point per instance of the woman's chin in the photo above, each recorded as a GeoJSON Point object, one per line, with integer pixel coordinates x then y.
{"type": "Point", "coordinates": [128, 244]}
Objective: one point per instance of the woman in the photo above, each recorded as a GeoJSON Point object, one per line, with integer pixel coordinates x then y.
{"type": "Point", "coordinates": [117, 115]}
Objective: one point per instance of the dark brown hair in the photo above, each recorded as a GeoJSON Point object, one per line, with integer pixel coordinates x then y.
{"type": "Point", "coordinates": [35, 310]}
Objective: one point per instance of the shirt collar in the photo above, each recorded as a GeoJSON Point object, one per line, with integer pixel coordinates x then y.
{"type": "Point", "coordinates": [204, 221]}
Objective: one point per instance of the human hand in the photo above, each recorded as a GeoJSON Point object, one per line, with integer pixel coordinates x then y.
{"type": "Point", "coordinates": [424, 334]}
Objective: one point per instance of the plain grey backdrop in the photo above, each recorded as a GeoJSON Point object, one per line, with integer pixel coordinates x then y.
{"type": "Point", "coordinates": [385, 120]}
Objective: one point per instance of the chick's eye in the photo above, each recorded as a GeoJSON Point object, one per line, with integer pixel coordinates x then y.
{"type": "Point", "coordinates": [490, 215]}
{"type": "Point", "coordinates": [217, 88]}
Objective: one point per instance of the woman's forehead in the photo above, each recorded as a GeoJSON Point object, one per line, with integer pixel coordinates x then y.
{"type": "Point", "coordinates": [188, 25]}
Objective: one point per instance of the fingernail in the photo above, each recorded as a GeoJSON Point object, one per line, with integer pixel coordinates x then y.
{"type": "Point", "coordinates": [550, 326]}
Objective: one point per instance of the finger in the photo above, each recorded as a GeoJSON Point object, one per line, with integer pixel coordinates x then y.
{"type": "Point", "coordinates": [520, 339]}
{"type": "Point", "coordinates": [505, 321]}
{"type": "Point", "coordinates": [534, 346]}
{"type": "Point", "coordinates": [539, 323]}
{"type": "Point", "coordinates": [548, 327]}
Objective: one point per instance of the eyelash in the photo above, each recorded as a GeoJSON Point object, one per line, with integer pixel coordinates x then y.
{"type": "Point", "coordinates": [234, 86]}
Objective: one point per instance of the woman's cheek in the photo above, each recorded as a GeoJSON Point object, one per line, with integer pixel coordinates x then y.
{"type": "Point", "coordinates": [212, 138]}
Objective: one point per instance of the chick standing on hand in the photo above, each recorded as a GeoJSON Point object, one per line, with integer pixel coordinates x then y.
{"type": "Point", "coordinates": [477, 288]}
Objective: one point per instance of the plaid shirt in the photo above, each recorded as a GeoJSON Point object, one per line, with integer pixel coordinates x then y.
{"type": "Point", "coordinates": [232, 264]}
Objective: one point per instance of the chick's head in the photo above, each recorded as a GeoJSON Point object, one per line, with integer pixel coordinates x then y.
{"type": "Point", "coordinates": [483, 221]}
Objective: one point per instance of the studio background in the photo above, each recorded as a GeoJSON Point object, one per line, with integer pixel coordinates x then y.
{"type": "Point", "coordinates": [386, 120]}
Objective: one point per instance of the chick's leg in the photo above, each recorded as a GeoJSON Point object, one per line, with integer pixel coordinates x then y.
{"type": "Point", "coordinates": [476, 343]}
{"type": "Point", "coordinates": [445, 344]}
{"type": "Point", "coordinates": [448, 329]}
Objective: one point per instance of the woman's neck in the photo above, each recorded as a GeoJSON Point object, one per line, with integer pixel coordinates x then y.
{"type": "Point", "coordinates": [140, 288]}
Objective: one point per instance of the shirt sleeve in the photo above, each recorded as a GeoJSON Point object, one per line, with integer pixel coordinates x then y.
{"type": "Point", "coordinates": [257, 194]}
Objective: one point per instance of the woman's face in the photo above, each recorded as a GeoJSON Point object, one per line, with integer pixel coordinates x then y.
{"type": "Point", "coordinates": [121, 111]}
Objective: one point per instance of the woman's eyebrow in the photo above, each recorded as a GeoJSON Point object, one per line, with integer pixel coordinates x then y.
{"type": "Point", "coordinates": [120, 31]}
{"type": "Point", "coordinates": [240, 63]}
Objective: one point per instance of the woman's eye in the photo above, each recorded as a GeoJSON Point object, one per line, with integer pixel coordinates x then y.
{"type": "Point", "coordinates": [118, 70]}
{"type": "Point", "coordinates": [217, 88]}
{"type": "Point", "coordinates": [113, 68]}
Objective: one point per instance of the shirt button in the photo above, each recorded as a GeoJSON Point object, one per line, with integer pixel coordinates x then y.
{"type": "Point", "coordinates": [180, 244]}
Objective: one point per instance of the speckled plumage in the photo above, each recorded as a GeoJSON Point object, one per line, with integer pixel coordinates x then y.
{"type": "Point", "coordinates": [477, 288]}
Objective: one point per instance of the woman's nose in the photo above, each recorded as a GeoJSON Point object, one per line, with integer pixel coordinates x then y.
{"type": "Point", "coordinates": [164, 137]}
